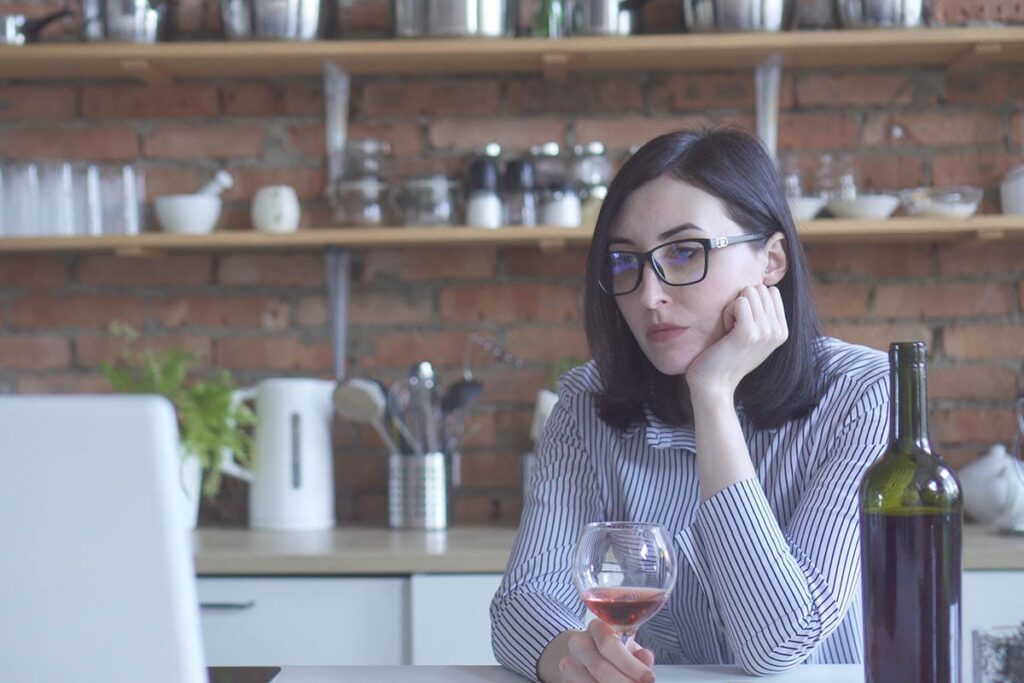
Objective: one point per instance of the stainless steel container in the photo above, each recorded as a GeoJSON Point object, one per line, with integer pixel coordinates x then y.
{"type": "Point", "coordinates": [417, 491]}
{"type": "Point", "coordinates": [601, 18]}
{"type": "Point", "coordinates": [132, 21]}
{"type": "Point", "coordinates": [271, 19]}
{"type": "Point", "coordinates": [880, 13]}
{"type": "Point", "coordinates": [451, 18]}
{"type": "Point", "coordinates": [701, 16]}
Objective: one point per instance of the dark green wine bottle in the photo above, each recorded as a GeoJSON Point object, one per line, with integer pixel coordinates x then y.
{"type": "Point", "coordinates": [910, 541]}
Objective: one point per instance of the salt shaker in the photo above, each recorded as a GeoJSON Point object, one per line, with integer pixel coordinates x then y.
{"type": "Point", "coordinates": [520, 196]}
{"type": "Point", "coordinates": [483, 206]}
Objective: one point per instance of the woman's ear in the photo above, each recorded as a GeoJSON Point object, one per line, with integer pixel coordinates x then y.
{"type": "Point", "coordinates": [776, 263]}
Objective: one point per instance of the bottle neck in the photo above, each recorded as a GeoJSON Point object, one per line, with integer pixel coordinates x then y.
{"type": "Point", "coordinates": [908, 408]}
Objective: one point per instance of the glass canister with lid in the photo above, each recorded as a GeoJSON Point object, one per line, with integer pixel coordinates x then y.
{"type": "Point", "coordinates": [591, 172]}
{"type": "Point", "coordinates": [361, 202]}
{"type": "Point", "coordinates": [430, 200]}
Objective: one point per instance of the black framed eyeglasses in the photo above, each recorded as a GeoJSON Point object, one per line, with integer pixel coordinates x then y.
{"type": "Point", "coordinates": [676, 263]}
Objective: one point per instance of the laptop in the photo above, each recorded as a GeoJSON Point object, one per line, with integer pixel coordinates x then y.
{"type": "Point", "coordinates": [96, 576]}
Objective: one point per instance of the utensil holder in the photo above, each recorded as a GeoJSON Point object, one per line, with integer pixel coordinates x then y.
{"type": "Point", "coordinates": [418, 491]}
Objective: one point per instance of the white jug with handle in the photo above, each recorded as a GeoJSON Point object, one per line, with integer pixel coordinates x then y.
{"type": "Point", "coordinates": [291, 486]}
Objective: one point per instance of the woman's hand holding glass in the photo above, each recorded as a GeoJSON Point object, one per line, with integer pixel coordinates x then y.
{"type": "Point", "coordinates": [624, 573]}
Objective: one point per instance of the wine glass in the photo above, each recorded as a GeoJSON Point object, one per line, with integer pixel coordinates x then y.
{"type": "Point", "coordinates": [624, 573]}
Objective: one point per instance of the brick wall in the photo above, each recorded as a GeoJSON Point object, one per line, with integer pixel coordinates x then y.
{"type": "Point", "coordinates": [264, 314]}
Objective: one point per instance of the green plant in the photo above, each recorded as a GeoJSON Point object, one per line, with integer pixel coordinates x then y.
{"type": "Point", "coordinates": [562, 366]}
{"type": "Point", "coordinates": [210, 421]}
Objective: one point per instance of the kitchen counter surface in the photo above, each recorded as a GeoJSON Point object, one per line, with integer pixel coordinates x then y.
{"type": "Point", "coordinates": [459, 550]}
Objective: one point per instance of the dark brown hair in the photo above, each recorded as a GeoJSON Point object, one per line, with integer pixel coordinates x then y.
{"type": "Point", "coordinates": [733, 166]}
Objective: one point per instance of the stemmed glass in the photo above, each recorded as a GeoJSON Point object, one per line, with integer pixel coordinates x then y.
{"type": "Point", "coordinates": [624, 573]}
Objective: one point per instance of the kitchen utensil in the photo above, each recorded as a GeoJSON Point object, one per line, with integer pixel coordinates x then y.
{"type": "Point", "coordinates": [133, 21]}
{"type": "Point", "coordinates": [451, 18]}
{"type": "Point", "coordinates": [18, 29]}
{"type": "Point", "coordinates": [991, 486]}
{"type": "Point", "coordinates": [271, 19]}
{"type": "Point", "coordinates": [222, 180]}
{"type": "Point", "coordinates": [864, 206]}
{"type": "Point", "coordinates": [418, 491]}
{"type": "Point", "coordinates": [880, 13]}
{"type": "Point", "coordinates": [276, 209]}
{"type": "Point", "coordinates": [701, 16]}
{"type": "Point", "coordinates": [958, 201]}
{"type": "Point", "coordinates": [187, 214]}
{"type": "Point", "coordinates": [363, 402]}
{"type": "Point", "coordinates": [805, 208]}
{"type": "Point", "coordinates": [423, 400]}
{"type": "Point", "coordinates": [292, 485]}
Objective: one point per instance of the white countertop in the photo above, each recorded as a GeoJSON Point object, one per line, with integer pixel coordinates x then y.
{"type": "Point", "coordinates": [458, 550]}
{"type": "Point", "coordinates": [834, 673]}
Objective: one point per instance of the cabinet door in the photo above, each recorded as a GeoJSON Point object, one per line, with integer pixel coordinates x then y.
{"type": "Point", "coordinates": [262, 621]}
{"type": "Point", "coordinates": [451, 621]}
{"type": "Point", "coordinates": [990, 598]}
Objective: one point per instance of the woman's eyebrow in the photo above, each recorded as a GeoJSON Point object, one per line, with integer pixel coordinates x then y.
{"type": "Point", "coordinates": [662, 236]}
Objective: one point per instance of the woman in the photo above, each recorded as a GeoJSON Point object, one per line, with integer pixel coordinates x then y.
{"type": "Point", "coordinates": [714, 408]}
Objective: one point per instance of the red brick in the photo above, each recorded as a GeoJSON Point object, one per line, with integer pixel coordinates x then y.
{"type": "Point", "coordinates": [504, 383]}
{"type": "Point", "coordinates": [480, 433]}
{"type": "Point", "coordinates": [414, 265]}
{"type": "Point", "coordinates": [401, 349]}
{"type": "Point", "coordinates": [90, 144]}
{"type": "Point", "coordinates": [879, 336]}
{"type": "Point", "coordinates": [984, 341]}
{"type": "Point", "coordinates": [91, 349]}
{"type": "Point", "coordinates": [1022, 294]}
{"type": "Point", "coordinates": [985, 382]}
{"type": "Point", "coordinates": [375, 307]}
{"type": "Point", "coordinates": [304, 99]}
{"type": "Point", "coordinates": [982, 168]}
{"type": "Point", "coordinates": [33, 271]}
{"type": "Point", "coordinates": [366, 472]}
{"type": "Point", "coordinates": [940, 301]}
{"type": "Point", "coordinates": [547, 344]}
{"type": "Point", "coordinates": [366, 17]}
{"type": "Point", "coordinates": [568, 263]}
{"type": "Point", "coordinates": [833, 89]}
{"type": "Point", "coordinates": [312, 312]}
{"type": "Point", "coordinates": [305, 139]}
{"type": "Point", "coordinates": [934, 128]}
{"type": "Point", "coordinates": [513, 428]}
{"type": "Point", "coordinates": [622, 132]}
{"type": "Point", "coordinates": [286, 352]}
{"type": "Point", "coordinates": [471, 134]}
{"type": "Point", "coordinates": [254, 99]}
{"type": "Point", "coordinates": [891, 172]}
{"type": "Point", "coordinates": [490, 508]}
{"type": "Point", "coordinates": [492, 471]}
{"type": "Point", "coordinates": [63, 383]}
{"type": "Point", "coordinates": [246, 312]}
{"type": "Point", "coordinates": [978, 86]}
{"type": "Point", "coordinates": [272, 270]}
{"type": "Point", "coordinates": [584, 96]}
{"type": "Point", "coordinates": [699, 91]}
{"type": "Point", "coordinates": [188, 15]}
{"type": "Point", "coordinates": [434, 97]}
{"type": "Point", "coordinates": [958, 456]}
{"type": "Point", "coordinates": [509, 303]}
{"type": "Point", "coordinates": [33, 352]}
{"type": "Point", "coordinates": [889, 260]}
{"type": "Point", "coordinates": [76, 310]}
{"type": "Point", "coordinates": [842, 300]}
{"type": "Point", "coordinates": [973, 425]}
{"type": "Point", "coordinates": [33, 103]}
{"type": "Point", "coordinates": [167, 269]}
{"type": "Point", "coordinates": [177, 100]}
{"type": "Point", "coordinates": [817, 131]}
{"type": "Point", "coordinates": [161, 180]}
{"type": "Point", "coordinates": [308, 183]}
{"type": "Point", "coordinates": [369, 509]}
{"type": "Point", "coordinates": [980, 258]}
{"type": "Point", "coordinates": [964, 11]}
{"type": "Point", "coordinates": [205, 141]}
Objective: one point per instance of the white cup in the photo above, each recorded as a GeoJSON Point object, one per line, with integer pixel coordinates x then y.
{"type": "Point", "coordinates": [275, 208]}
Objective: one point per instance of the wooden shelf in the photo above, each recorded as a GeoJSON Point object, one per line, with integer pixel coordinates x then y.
{"type": "Point", "coordinates": [994, 227]}
{"type": "Point", "coordinates": [951, 47]}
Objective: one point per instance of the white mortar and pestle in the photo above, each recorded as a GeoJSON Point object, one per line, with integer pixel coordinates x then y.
{"type": "Point", "coordinates": [193, 214]}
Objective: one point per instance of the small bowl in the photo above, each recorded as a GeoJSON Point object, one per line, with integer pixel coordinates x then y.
{"type": "Point", "coordinates": [187, 214]}
{"type": "Point", "coordinates": [866, 206]}
{"type": "Point", "coordinates": [957, 201]}
{"type": "Point", "coordinates": [805, 208]}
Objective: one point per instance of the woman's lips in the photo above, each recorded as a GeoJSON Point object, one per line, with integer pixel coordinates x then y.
{"type": "Point", "coordinates": [659, 334]}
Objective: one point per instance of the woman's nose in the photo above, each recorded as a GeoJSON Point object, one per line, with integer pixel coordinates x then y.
{"type": "Point", "coordinates": [653, 292]}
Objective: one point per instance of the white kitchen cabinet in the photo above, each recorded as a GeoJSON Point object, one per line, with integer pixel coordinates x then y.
{"type": "Point", "coordinates": [990, 598]}
{"type": "Point", "coordinates": [262, 621]}
{"type": "Point", "coordinates": [451, 621]}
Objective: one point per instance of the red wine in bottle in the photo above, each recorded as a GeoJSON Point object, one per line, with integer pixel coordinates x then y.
{"type": "Point", "coordinates": [910, 541]}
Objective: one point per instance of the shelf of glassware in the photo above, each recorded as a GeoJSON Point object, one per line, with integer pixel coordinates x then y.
{"type": "Point", "coordinates": [987, 227]}
{"type": "Point", "coordinates": [953, 47]}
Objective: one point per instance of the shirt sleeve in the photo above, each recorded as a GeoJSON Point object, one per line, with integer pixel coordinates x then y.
{"type": "Point", "coordinates": [537, 598]}
{"type": "Point", "coordinates": [780, 592]}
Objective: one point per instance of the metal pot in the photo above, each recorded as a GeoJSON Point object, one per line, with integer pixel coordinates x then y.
{"type": "Point", "coordinates": [19, 29]}
{"type": "Point", "coordinates": [132, 21]}
{"type": "Point", "coordinates": [701, 16]}
{"type": "Point", "coordinates": [271, 19]}
{"type": "Point", "coordinates": [452, 18]}
{"type": "Point", "coordinates": [880, 13]}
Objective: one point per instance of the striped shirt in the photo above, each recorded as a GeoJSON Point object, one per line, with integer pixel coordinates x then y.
{"type": "Point", "coordinates": [768, 568]}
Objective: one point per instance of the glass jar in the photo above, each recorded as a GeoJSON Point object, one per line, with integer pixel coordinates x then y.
{"type": "Point", "coordinates": [548, 165]}
{"type": "Point", "coordinates": [360, 202]}
{"type": "Point", "coordinates": [364, 158]}
{"type": "Point", "coordinates": [429, 200]}
{"type": "Point", "coordinates": [590, 167]}
{"type": "Point", "coordinates": [560, 207]}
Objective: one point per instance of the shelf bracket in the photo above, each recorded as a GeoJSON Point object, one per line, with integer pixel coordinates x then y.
{"type": "Point", "coordinates": [338, 269]}
{"type": "Point", "coordinates": [974, 57]}
{"type": "Point", "coordinates": [552, 245]}
{"type": "Point", "coordinates": [990, 235]}
{"type": "Point", "coordinates": [139, 252]}
{"type": "Point", "coordinates": [767, 84]}
{"type": "Point", "coordinates": [554, 66]}
{"type": "Point", "coordinates": [146, 71]}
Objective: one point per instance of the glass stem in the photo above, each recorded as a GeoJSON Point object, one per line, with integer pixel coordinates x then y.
{"type": "Point", "coordinates": [626, 637]}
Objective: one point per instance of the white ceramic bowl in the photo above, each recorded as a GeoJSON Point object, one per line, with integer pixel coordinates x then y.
{"type": "Point", "coordinates": [805, 208]}
{"type": "Point", "coordinates": [187, 214]}
{"type": "Point", "coordinates": [958, 201]}
{"type": "Point", "coordinates": [865, 206]}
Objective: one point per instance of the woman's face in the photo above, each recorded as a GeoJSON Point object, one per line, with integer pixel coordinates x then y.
{"type": "Point", "coordinates": [674, 324]}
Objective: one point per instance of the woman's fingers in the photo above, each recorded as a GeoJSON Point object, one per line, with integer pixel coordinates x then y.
{"type": "Point", "coordinates": [780, 313]}
{"type": "Point", "coordinates": [574, 672]}
{"type": "Point", "coordinates": [600, 651]}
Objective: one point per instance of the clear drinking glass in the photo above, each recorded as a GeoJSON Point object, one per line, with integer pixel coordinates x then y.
{"type": "Point", "coordinates": [55, 214]}
{"type": "Point", "coordinates": [121, 191]}
{"type": "Point", "coordinates": [624, 573]}
{"type": "Point", "coordinates": [21, 200]}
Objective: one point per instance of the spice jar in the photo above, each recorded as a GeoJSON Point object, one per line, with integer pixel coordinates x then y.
{"type": "Point", "coordinates": [360, 202]}
{"type": "Point", "coordinates": [560, 207]}
{"type": "Point", "coordinates": [520, 194]}
{"type": "Point", "coordinates": [483, 204]}
{"type": "Point", "coordinates": [364, 157]}
{"type": "Point", "coordinates": [428, 200]}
